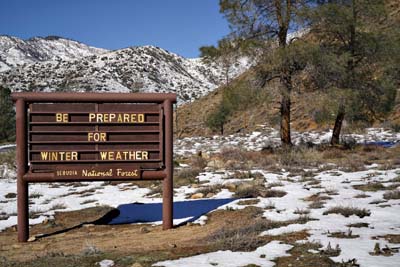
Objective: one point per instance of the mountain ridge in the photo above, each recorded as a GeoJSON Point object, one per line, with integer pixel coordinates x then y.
{"type": "Point", "coordinates": [16, 52]}
{"type": "Point", "coordinates": [132, 69]}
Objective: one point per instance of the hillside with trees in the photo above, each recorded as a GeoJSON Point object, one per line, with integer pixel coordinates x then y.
{"type": "Point", "coordinates": [339, 67]}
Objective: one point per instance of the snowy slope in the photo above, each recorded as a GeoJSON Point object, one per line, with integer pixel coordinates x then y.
{"type": "Point", "coordinates": [134, 69]}
{"type": "Point", "coordinates": [16, 52]}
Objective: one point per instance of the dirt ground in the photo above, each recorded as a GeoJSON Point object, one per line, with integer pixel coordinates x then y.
{"type": "Point", "coordinates": [66, 242]}
{"type": "Point", "coordinates": [117, 239]}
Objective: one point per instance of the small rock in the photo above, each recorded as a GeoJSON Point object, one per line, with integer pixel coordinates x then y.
{"type": "Point", "coordinates": [210, 195]}
{"type": "Point", "coordinates": [194, 185]}
{"type": "Point", "coordinates": [15, 246]}
{"type": "Point", "coordinates": [197, 196]}
{"type": "Point", "coordinates": [88, 225]}
{"type": "Point", "coordinates": [144, 230]}
{"type": "Point", "coordinates": [32, 239]}
{"type": "Point", "coordinates": [106, 263]}
{"type": "Point", "coordinates": [136, 264]}
{"type": "Point", "coordinates": [172, 245]}
{"type": "Point", "coordinates": [45, 221]}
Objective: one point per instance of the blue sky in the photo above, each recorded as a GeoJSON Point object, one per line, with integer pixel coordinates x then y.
{"type": "Point", "coordinates": [180, 26]}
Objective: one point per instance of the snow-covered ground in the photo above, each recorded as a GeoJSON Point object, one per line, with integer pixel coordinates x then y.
{"type": "Point", "coordinates": [269, 137]}
{"type": "Point", "coordinates": [228, 258]}
{"type": "Point", "coordinates": [339, 186]}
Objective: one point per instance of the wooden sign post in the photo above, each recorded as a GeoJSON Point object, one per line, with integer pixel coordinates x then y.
{"type": "Point", "coordinates": [64, 137]}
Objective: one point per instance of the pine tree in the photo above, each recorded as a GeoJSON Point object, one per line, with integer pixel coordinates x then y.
{"type": "Point", "coordinates": [266, 25]}
{"type": "Point", "coordinates": [356, 58]}
{"type": "Point", "coordinates": [224, 54]}
{"type": "Point", "coordinates": [7, 118]}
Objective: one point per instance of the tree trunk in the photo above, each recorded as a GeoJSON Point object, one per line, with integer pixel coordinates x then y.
{"type": "Point", "coordinates": [285, 120]}
{"type": "Point", "coordinates": [338, 125]}
{"type": "Point", "coordinates": [222, 129]}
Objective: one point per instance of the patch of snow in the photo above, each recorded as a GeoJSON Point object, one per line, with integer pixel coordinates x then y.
{"type": "Point", "coordinates": [228, 258]}
{"type": "Point", "coordinates": [106, 263]}
{"type": "Point", "coordinates": [202, 220]}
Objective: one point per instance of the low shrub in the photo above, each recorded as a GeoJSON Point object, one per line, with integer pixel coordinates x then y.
{"type": "Point", "coordinates": [395, 194]}
{"type": "Point", "coordinates": [348, 211]}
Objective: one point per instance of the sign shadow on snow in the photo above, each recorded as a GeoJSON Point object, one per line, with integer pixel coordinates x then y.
{"type": "Point", "coordinates": [184, 211]}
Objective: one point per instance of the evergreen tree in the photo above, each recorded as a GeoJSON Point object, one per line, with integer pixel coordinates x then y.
{"type": "Point", "coordinates": [224, 54]}
{"type": "Point", "coordinates": [266, 24]}
{"type": "Point", "coordinates": [356, 58]}
{"type": "Point", "coordinates": [7, 118]}
{"type": "Point", "coordinates": [217, 119]}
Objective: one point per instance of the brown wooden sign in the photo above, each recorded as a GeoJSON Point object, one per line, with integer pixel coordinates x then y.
{"type": "Point", "coordinates": [93, 137]}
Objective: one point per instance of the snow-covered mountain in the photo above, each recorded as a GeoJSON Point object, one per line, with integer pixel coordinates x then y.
{"type": "Point", "coordinates": [134, 69]}
{"type": "Point", "coordinates": [15, 52]}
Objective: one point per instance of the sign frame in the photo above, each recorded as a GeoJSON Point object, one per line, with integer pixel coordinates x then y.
{"type": "Point", "coordinates": [23, 158]}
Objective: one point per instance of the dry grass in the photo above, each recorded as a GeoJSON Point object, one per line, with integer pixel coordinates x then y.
{"type": "Point", "coordinates": [275, 184]}
{"type": "Point", "coordinates": [302, 211]}
{"type": "Point", "coordinates": [333, 153]}
{"type": "Point", "coordinates": [186, 176]}
{"type": "Point", "coordinates": [247, 175]}
{"type": "Point", "coordinates": [292, 158]}
{"type": "Point", "coordinates": [156, 189]}
{"type": "Point", "coordinates": [300, 256]}
{"type": "Point", "coordinates": [395, 239]}
{"type": "Point", "coordinates": [212, 189]}
{"type": "Point", "coordinates": [316, 205]}
{"type": "Point", "coordinates": [255, 189]}
{"type": "Point", "coordinates": [247, 237]}
{"type": "Point", "coordinates": [317, 201]}
{"type": "Point", "coordinates": [249, 202]}
{"type": "Point", "coordinates": [87, 201]}
{"type": "Point", "coordinates": [197, 162]}
{"type": "Point", "coordinates": [4, 216]}
{"type": "Point", "coordinates": [58, 206]}
{"type": "Point", "coordinates": [348, 211]}
{"type": "Point", "coordinates": [358, 225]}
{"type": "Point", "coordinates": [362, 195]}
{"type": "Point", "coordinates": [374, 187]}
{"type": "Point", "coordinates": [8, 158]}
{"type": "Point", "coordinates": [320, 157]}
{"type": "Point", "coordinates": [395, 194]}
{"type": "Point", "coordinates": [35, 213]}
{"type": "Point", "coordinates": [35, 195]}
{"type": "Point", "coordinates": [317, 197]}
{"type": "Point", "coordinates": [348, 235]}
{"type": "Point", "coordinates": [10, 195]}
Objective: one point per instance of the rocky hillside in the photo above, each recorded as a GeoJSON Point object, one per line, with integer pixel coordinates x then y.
{"type": "Point", "coordinates": [134, 69]}
{"type": "Point", "coordinates": [15, 52]}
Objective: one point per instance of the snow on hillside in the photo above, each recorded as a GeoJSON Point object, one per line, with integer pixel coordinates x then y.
{"type": "Point", "coordinates": [15, 52]}
{"type": "Point", "coordinates": [136, 69]}
{"type": "Point", "coordinates": [76, 67]}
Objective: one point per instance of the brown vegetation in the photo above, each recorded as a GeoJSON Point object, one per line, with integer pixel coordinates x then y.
{"type": "Point", "coordinates": [348, 211]}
